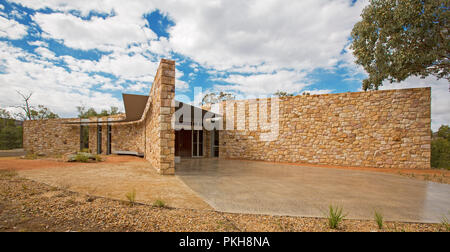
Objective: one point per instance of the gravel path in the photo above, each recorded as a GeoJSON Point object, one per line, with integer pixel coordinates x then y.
{"type": "Point", "coordinates": [26, 205]}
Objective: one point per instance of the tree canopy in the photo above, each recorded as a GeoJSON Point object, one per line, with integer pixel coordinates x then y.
{"type": "Point", "coordinates": [91, 112]}
{"type": "Point", "coordinates": [215, 98]}
{"type": "Point", "coordinates": [400, 38]}
{"type": "Point", "coordinates": [283, 94]}
{"type": "Point", "coordinates": [440, 148]}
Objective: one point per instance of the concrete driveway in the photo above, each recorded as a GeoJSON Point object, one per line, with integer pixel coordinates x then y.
{"type": "Point", "coordinates": [280, 189]}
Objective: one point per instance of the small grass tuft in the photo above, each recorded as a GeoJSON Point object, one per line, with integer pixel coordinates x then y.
{"type": "Point", "coordinates": [31, 156]}
{"type": "Point", "coordinates": [379, 219]}
{"type": "Point", "coordinates": [445, 223]}
{"type": "Point", "coordinates": [8, 173]}
{"type": "Point", "coordinates": [131, 197]}
{"type": "Point", "coordinates": [159, 203]}
{"type": "Point", "coordinates": [335, 216]}
{"type": "Point", "coordinates": [98, 158]}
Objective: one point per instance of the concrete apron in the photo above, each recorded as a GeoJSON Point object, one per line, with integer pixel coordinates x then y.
{"type": "Point", "coordinates": [281, 189]}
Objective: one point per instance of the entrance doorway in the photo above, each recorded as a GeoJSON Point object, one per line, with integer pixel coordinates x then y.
{"type": "Point", "coordinates": [183, 143]}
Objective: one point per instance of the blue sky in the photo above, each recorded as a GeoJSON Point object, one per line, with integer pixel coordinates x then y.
{"type": "Point", "coordinates": [71, 53]}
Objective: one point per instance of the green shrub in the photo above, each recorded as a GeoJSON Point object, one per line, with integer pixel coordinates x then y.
{"type": "Point", "coordinates": [159, 203]}
{"type": "Point", "coordinates": [379, 219]}
{"type": "Point", "coordinates": [440, 148]}
{"type": "Point", "coordinates": [98, 158]}
{"type": "Point", "coordinates": [445, 223]}
{"type": "Point", "coordinates": [85, 150]}
{"type": "Point", "coordinates": [335, 216]}
{"type": "Point", "coordinates": [31, 156]}
{"type": "Point", "coordinates": [131, 197]}
{"type": "Point", "coordinates": [10, 137]}
{"type": "Point", "coordinates": [81, 157]}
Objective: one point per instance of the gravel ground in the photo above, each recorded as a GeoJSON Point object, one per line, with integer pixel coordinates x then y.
{"type": "Point", "coordinates": [26, 205]}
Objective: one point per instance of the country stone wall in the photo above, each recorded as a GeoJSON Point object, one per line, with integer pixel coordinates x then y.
{"type": "Point", "coordinates": [50, 137]}
{"type": "Point", "coordinates": [374, 129]}
{"type": "Point", "coordinates": [128, 138]}
{"type": "Point", "coordinates": [124, 136]}
{"type": "Point", "coordinates": [159, 134]}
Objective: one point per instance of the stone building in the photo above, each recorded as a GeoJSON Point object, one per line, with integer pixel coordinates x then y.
{"type": "Point", "coordinates": [385, 129]}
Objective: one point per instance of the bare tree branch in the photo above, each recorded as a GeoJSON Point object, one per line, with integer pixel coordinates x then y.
{"type": "Point", "coordinates": [26, 106]}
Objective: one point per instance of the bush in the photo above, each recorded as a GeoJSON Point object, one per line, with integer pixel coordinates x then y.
{"type": "Point", "coordinates": [440, 148]}
{"type": "Point", "coordinates": [31, 156]}
{"type": "Point", "coordinates": [98, 158]}
{"type": "Point", "coordinates": [82, 157]}
{"type": "Point", "coordinates": [85, 150]}
{"type": "Point", "coordinates": [335, 216]}
{"type": "Point", "coordinates": [445, 223]}
{"type": "Point", "coordinates": [10, 137]}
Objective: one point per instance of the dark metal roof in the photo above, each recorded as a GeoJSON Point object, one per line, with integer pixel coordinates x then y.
{"type": "Point", "coordinates": [134, 106]}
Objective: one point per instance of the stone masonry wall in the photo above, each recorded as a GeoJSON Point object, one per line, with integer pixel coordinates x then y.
{"type": "Point", "coordinates": [124, 137]}
{"type": "Point", "coordinates": [50, 137]}
{"type": "Point", "coordinates": [389, 129]}
{"type": "Point", "coordinates": [159, 134]}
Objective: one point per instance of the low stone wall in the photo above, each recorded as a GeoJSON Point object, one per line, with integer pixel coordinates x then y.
{"type": "Point", "coordinates": [50, 137]}
{"type": "Point", "coordinates": [374, 129]}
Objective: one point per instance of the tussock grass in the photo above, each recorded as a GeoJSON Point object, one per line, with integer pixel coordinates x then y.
{"type": "Point", "coordinates": [335, 216]}
{"type": "Point", "coordinates": [159, 203]}
{"type": "Point", "coordinates": [379, 219]}
{"type": "Point", "coordinates": [131, 197]}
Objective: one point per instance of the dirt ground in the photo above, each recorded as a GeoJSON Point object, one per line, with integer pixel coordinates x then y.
{"type": "Point", "coordinates": [113, 178]}
{"type": "Point", "coordinates": [26, 205]}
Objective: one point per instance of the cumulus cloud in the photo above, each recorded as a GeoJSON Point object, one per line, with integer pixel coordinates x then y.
{"type": "Point", "coordinates": [294, 34]}
{"type": "Point", "coordinates": [12, 29]}
{"type": "Point", "coordinates": [265, 84]}
{"type": "Point", "coordinates": [97, 33]}
{"type": "Point", "coordinates": [51, 85]}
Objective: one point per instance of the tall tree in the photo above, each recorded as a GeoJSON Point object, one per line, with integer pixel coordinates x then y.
{"type": "Point", "coordinates": [401, 38]}
{"type": "Point", "coordinates": [41, 113]}
{"type": "Point", "coordinates": [32, 113]}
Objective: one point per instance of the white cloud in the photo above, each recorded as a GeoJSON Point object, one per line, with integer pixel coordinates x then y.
{"type": "Point", "coordinates": [38, 43]}
{"type": "Point", "coordinates": [12, 29]}
{"type": "Point", "coordinates": [300, 34]}
{"type": "Point", "coordinates": [181, 86]}
{"type": "Point", "coordinates": [138, 87]}
{"type": "Point", "coordinates": [52, 86]}
{"type": "Point", "coordinates": [265, 84]}
{"type": "Point", "coordinates": [440, 96]}
{"type": "Point", "coordinates": [44, 52]}
{"type": "Point", "coordinates": [317, 91]}
{"type": "Point", "coordinates": [97, 33]}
